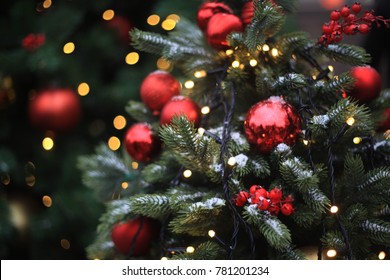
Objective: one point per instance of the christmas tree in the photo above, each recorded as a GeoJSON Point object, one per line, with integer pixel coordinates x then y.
{"type": "Point", "coordinates": [265, 152]}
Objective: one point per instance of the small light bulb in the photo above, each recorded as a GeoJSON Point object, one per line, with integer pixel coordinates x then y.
{"type": "Point", "coordinates": [47, 201]}
{"type": "Point", "coordinates": [108, 14]}
{"type": "Point", "coordinates": [189, 84]}
{"type": "Point", "coordinates": [331, 68]}
{"type": "Point", "coordinates": [114, 143]}
{"type": "Point", "coordinates": [124, 185]}
{"type": "Point", "coordinates": [229, 52]}
{"type": "Point", "coordinates": [205, 110]}
{"type": "Point", "coordinates": [211, 233]}
{"type": "Point", "coordinates": [331, 253]}
{"type": "Point", "coordinates": [69, 47]}
{"type": "Point", "coordinates": [231, 161]}
{"type": "Point", "coordinates": [357, 140]}
{"type": "Point", "coordinates": [350, 121]}
{"type": "Point", "coordinates": [168, 24]}
{"type": "Point", "coordinates": [201, 131]}
{"type": "Point", "coordinates": [334, 209]}
{"type": "Point", "coordinates": [200, 74]}
{"type": "Point", "coordinates": [119, 122]}
{"type": "Point", "coordinates": [382, 255]}
{"type": "Point", "coordinates": [314, 77]}
{"type": "Point", "coordinates": [253, 62]}
{"type": "Point", "coordinates": [265, 48]}
{"type": "Point", "coordinates": [132, 58]}
{"type": "Point", "coordinates": [190, 249]}
{"type": "Point", "coordinates": [47, 143]}
{"type": "Point", "coordinates": [164, 258]}
{"type": "Point", "coordinates": [83, 89]}
{"type": "Point", "coordinates": [305, 142]}
{"type": "Point", "coordinates": [134, 165]}
{"type": "Point", "coordinates": [274, 52]}
{"type": "Point", "coordinates": [235, 64]}
{"type": "Point", "coordinates": [187, 173]}
{"type": "Point", "coordinates": [153, 20]}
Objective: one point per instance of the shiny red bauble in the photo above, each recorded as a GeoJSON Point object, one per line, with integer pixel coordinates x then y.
{"type": "Point", "coordinates": [207, 10]}
{"type": "Point", "coordinates": [271, 122]}
{"type": "Point", "coordinates": [247, 13]}
{"type": "Point", "coordinates": [180, 106]}
{"type": "Point", "coordinates": [219, 26]}
{"type": "Point", "coordinates": [134, 237]}
{"type": "Point", "coordinates": [368, 83]}
{"type": "Point", "coordinates": [157, 89]}
{"type": "Point", "coordinates": [140, 142]}
{"type": "Point", "coordinates": [122, 27]}
{"type": "Point", "coordinates": [56, 109]}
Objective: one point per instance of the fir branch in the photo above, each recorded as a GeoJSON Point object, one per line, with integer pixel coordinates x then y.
{"type": "Point", "coordinates": [334, 240]}
{"type": "Point", "coordinates": [155, 206]}
{"type": "Point", "coordinates": [378, 231]}
{"type": "Point", "coordinates": [161, 171]}
{"type": "Point", "coordinates": [274, 231]}
{"type": "Point", "coordinates": [353, 171]}
{"type": "Point", "coordinates": [334, 86]}
{"type": "Point", "coordinates": [305, 217]}
{"type": "Point", "coordinates": [343, 53]}
{"type": "Point", "coordinates": [291, 253]}
{"type": "Point", "coordinates": [290, 81]}
{"type": "Point", "coordinates": [205, 251]}
{"type": "Point", "coordinates": [138, 111]}
{"type": "Point", "coordinates": [287, 5]}
{"type": "Point", "coordinates": [117, 210]}
{"type": "Point", "coordinates": [291, 42]}
{"type": "Point", "coordinates": [376, 179]}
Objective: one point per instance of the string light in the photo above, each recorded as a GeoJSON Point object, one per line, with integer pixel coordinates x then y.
{"type": "Point", "coordinates": [189, 84]}
{"type": "Point", "coordinates": [47, 201]}
{"type": "Point", "coordinates": [231, 161]}
{"type": "Point", "coordinates": [331, 68]}
{"type": "Point", "coordinates": [200, 74]}
{"type": "Point", "coordinates": [163, 64]}
{"type": "Point", "coordinates": [132, 58]}
{"type": "Point", "coordinates": [114, 143]}
{"type": "Point", "coordinates": [168, 24]}
{"type": "Point", "coordinates": [274, 52]}
{"type": "Point", "coordinates": [47, 4]}
{"type": "Point", "coordinates": [65, 244]}
{"type": "Point", "coordinates": [108, 14]}
{"type": "Point", "coordinates": [265, 48]}
{"type": "Point", "coordinates": [119, 122]}
{"type": "Point", "coordinates": [190, 249]}
{"type": "Point", "coordinates": [164, 258]}
{"type": "Point", "coordinates": [205, 110]}
{"type": "Point", "coordinates": [350, 121]}
{"type": "Point", "coordinates": [382, 255]}
{"type": "Point", "coordinates": [211, 233]}
{"type": "Point", "coordinates": [229, 52]}
{"type": "Point", "coordinates": [201, 131]}
{"type": "Point", "coordinates": [253, 62]}
{"type": "Point", "coordinates": [47, 143]}
{"type": "Point", "coordinates": [314, 77]}
{"type": "Point", "coordinates": [357, 140]}
{"type": "Point", "coordinates": [153, 20]}
{"type": "Point", "coordinates": [334, 209]}
{"type": "Point", "coordinates": [235, 64]}
{"type": "Point", "coordinates": [69, 48]}
{"type": "Point", "coordinates": [331, 253]}
{"type": "Point", "coordinates": [124, 185]}
{"type": "Point", "coordinates": [134, 165]}
{"type": "Point", "coordinates": [187, 173]}
{"type": "Point", "coordinates": [83, 89]}
{"type": "Point", "coordinates": [305, 142]}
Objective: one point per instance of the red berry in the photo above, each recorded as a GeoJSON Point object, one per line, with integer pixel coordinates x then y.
{"type": "Point", "coordinates": [356, 8]}
{"type": "Point", "coordinates": [350, 29]}
{"type": "Point", "coordinates": [275, 195]}
{"type": "Point", "coordinates": [351, 18]}
{"type": "Point", "coordinates": [327, 29]}
{"type": "Point", "coordinates": [273, 209]}
{"type": "Point", "coordinates": [259, 193]}
{"type": "Point", "coordinates": [263, 204]}
{"type": "Point", "coordinates": [287, 209]}
{"type": "Point", "coordinates": [368, 16]}
{"type": "Point", "coordinates": [345, 11]}
{"type": "Point", "coordinates": [253, 189]}
{"type": "Point", "coordinates": [336, 36]}
{"type": "Point", "coordinates": [364, 28]}
{"type": "Point", "coordinates": [289, 199]}
{"type": "Point", "coordinates": [241, 198]}
{"type": "Point", "coordinates": [335, 15]}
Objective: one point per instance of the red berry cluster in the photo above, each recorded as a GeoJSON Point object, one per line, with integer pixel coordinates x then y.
{"type": "Point", "coordinates": [346, 21]}
{"type": "Point", "coordinates": [271, 201]}
{"type": "Point", "coordinates": [33, 41]}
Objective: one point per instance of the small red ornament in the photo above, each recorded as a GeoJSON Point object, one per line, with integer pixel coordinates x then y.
{"type": "Point", "coordinates": [241, 199]}
{"type": "Point", "coordinates": [141, 143]}
{"type": "Point", "coordinates": [274, 209]}
{"type": "Point", "coordinates": [275, 195]}
{"type": "Point", "coordinates": [135, 236]}
{"type": "Point", "coordinates": [356, 7]}
{"type": "Point", "coordinates": [368, 83]}
{"type": "Point", "coordinates": [180, 105]}
{"type": "Point", "coordinates": [219, 26]}
{"type": "Point", "coordinates": [56, 109]}
{"type": "Point", "coordinates": [385, 124]}
{"type": "Point", "coordinates": [271, 122]}
{"type": "Point", "coordinates": [247, 13]}
{"type": "Point", "coordinates": [263, 204]}
{"type": "Point", "coordinates": [287, 209]}
{"type": "Point", "coordinates": [122, 27]}
{"type": "Point", "coordinates": [33, 41]}
{"type": "Point", "coordinates": [157, 89]}
{"type": "Point", "coordinates": [345, 11]}
{"type": "Point", "coordinates": [335, 15]}
{"type": "Point", "coordinates": [207, 10]}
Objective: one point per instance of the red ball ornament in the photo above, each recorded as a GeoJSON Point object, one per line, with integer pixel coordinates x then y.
{"type": "Point", "coordinates": [180, 105]}
{"type": "Point", "coordinates": [219, 26]}
{"type": "Point", "coordinates": [157, 89]}
{"type": "Point", "coordinates": [122, 27]}
{"type": "Point", "coordinates": [247, 13]}
{"type": "Point", "coordinates": [385, 124]}
{"type": "Point", "coordinates": [368, 83]}
{"type": "Point", "coordinates": [271, 122]}
{"type": "Point", "coordinates": [140, 142]}
{"type": "Point", "coordinates": [275, 195]}
{"type": "Point", "coordinates": [287, 209]}
{"type": "Point", "coordinates": [207, 10]}
{"type": "Point", "coordinates": [56, 109]}
{"type": "Point", "coordinates": [134, 237]}
{"type": "Point", "coordinates": [241, 198]}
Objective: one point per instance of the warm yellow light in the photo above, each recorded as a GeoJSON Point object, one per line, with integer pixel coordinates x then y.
{"type": "Point", "coordinates": [314, 77]}
{"type": "Point", "coordinates": [83, 89]}
{"type": "Point", "coordinates": [187, 173]}
{"type": "Point", "coordinates": [200, 74]}
{"type": "Point", "coordinates": [108, 14]}
{"type": "Point", "coordinates": [229, 52]}
{"type": "Point", "coordinates": [134, 165]}
{"type": "Point", "coordinates": [253, 62]}
{"type": "Point", "coordinates": [47, 143]}
{"type": "Point", "coordinates": [211, 233]}
{"type": "Point", "coordinates": [47, 201]}
{"type": "Point", "coordinates": [331, 68]}
{"type": "Point", "coordinates": [164, 258]}
{"type": "Point", "coordinates": [30, 180]}
{"type": "Point", "coordinates": [163, 64]}
{"type": "Point", "coordinates": [235, 64]}
{"type": "Point", "coordinates": [168, 24]}
{"type": "Point", "coordinates": [119, 122]}
{"type": "Point", "coordinates": [231, 161]}
{"type": "Point", "coordinates": [305, 142]}
{"type": "Point", "coordinates": [205, 110]}
{"type": "Point", "coordinates": [65, 244]}
{"type": "Point", "coordinates": [190, 249]}
{"type": "Point", "coordinates": [114, 143]}
{"type": "Point", "coordinates": [334, 209]}
{"type": "Point", "coordinates": [265, 48]}
{"type": "Point", "coordinates": [46, 4]}
{"type": "Point", "coordinates": [132, 58]}
{"type": "Point", "coordinates": [124, 185]}
{"type": "Point", "coordinates": [201, 130]}
{"type": "Point", "coordinates": [174, 17]}
{"type": "Point", "coordinates": [331, 253]}
{"type": "Point", "coordinates": [153, 20]}
{"type": "Point", "coordinates": [189, 84]}
{"type": "Point", "coordinates": [357, 140]}
{"type": "Point", "coordinates": [350, 121]}
{"type": "Point", "coordinates": [274, 52]}
{"type": "Point", "coordinates": [382, 255]}
{"type": "Point", "coordinates": [69, 47]}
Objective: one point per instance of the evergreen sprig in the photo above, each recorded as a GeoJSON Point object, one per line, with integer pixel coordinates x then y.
{"type": "Point", "coordinates": [205, 251]}
{"type": "Point", "coordinates": [343, 53]}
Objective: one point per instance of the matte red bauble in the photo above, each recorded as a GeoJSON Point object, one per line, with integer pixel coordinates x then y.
{"type": "Point", "coordinates": [385, 124]}
{"type": "Point", "coordinates": [368, 83]}
{"type": "Point", "coordinates": [271, 122]}
{"type": "Point", "coordinates": [247, 13]}
{"type": "Point", "coordinates": [55, 109]}
{"type": "Point", "coordinates": [140, 142]}
{"type": "Point", "coordinates": [122, 26]}
{"type": "Point", "coordinates": [180, 105]}
{"type": "Point", "coordinates": [157, 89]}
{"type": "Point", "coordinates": [207, 10]}
{"type": "Point", "coordinates": [219, 26]}
{"type": "Point", "coordinates": [134, 237]}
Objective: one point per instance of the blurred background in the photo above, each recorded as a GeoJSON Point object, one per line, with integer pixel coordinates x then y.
{"type": "Point", "coordinates": [81, 51]}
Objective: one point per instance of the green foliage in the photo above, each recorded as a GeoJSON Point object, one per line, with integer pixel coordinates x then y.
{"type": "Point", "coordinates": [290, 43]}
{"type": "Point", "coordinates": [205, 251]}
{"type": "Point", "coordinates": [290, 253]}
{"type": "Point", "coordinates": [289, 82]}
{"type": "Point", "coordinates": [333, 240]}
{"type": "Point", "coordinates": [162, 170]}
{"type": "Point", "coordinates": [138, 111]}
{"type": "Point", "coordinates": [334, 86]}
{"type": "Point", "coordinates": [347, 54]}
{"type": "Point", "coordinates": [377, 230]}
